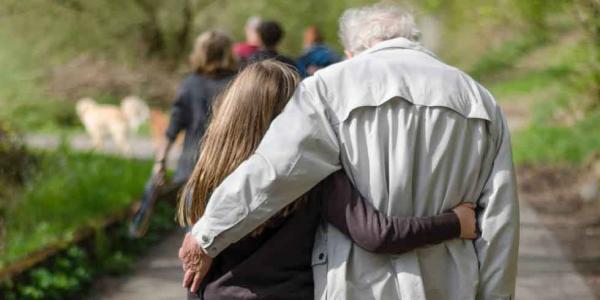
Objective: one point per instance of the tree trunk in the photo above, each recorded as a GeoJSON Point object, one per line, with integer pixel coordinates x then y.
{"type": "Point", "coordinates": [151, 33]}
{"type": "Point", "coordinates": [183, 37]}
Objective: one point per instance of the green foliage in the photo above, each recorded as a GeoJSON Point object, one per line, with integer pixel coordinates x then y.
{"type": "Point", "coordinates": [72, 190]}
{"type": "Point", "coordinates": [555, 91]}
{"type": "Point", "coordinates": [535, 12]}
{"type": "Point", "coordinates": [16, 163]}
{"type": "Point", "coordinates": [23, 100]}
{"type": "Point", "coordinates": [69, 274]}
{"type": "Point", "coordinates": [529, 82]}
{"type": "Point", "coordinates": [556, 144]}
{"type": "Point", "coordinates": [548, 139]}
{"type": "Point", "coordinates": [505, 56]}
{"type": "Point", "coordinates": [62, 277]}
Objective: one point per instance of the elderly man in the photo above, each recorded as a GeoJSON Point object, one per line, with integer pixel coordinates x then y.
{"type": "Point", "coordinates": [403, 125]}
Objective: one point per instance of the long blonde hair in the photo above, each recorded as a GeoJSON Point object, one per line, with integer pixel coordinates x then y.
{"type": "Point", "coordinates": [241, 117]}
{"type": "Point", "coordinates": [213, 53]}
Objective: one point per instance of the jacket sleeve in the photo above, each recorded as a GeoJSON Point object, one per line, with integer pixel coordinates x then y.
{"type": "Point", "coordinates": [298, 151]}
{"type": "Point", "coordinates": [179, 113]}
{"type": "Point", "coordinates": [344, 207]}
{"type": "Point", "coordinates": [498, 219]}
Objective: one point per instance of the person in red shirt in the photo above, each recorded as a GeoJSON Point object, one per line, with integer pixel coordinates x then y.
{"type": "Point", "coordinates": [243, 50]}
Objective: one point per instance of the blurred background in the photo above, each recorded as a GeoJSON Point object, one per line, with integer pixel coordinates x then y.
{"type": "Point", "coordinates": [63, 207]}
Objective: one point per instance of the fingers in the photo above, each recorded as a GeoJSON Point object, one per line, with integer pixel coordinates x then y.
{"type": "Point", "coordinates": [188, 278]}
{"type": "Point", "coordinates": [196, 283]}
{"type": "Point", "coordinates": [473, 234]}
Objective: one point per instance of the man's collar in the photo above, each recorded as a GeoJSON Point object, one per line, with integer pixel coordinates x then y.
{"type": "Point", "coordinates": [400, 42]}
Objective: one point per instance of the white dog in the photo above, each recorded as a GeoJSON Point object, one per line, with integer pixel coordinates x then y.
{"type": "Point", "coordinates": [135, 110]}
{"type": "Point", "coordinates": [103, 120]}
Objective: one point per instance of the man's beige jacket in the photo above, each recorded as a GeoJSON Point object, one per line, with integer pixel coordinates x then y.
{"type": "Point", "coordinates": [416, 137]}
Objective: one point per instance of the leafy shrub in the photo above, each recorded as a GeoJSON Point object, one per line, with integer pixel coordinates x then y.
{"type": "Point", "coordinates": [69, 274]}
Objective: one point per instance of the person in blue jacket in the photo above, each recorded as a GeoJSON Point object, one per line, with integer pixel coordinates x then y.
{"type": "Point", "coordinates": [316, 55]}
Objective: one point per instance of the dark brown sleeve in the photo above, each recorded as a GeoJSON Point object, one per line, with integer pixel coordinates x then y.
{"type": "Point", "coordinates": [344, 207]}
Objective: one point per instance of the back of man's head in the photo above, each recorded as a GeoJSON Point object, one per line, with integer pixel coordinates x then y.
{"type": "Point", "coordinates": [363, 27]}
{"type": "Point", "coordinates": [270, 33]}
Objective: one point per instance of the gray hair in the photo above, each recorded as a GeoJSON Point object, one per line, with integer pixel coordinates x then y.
{"type": "Point", "coordinates": [253, 22]}
{"type": "Point", "coordinates": [363, 27]}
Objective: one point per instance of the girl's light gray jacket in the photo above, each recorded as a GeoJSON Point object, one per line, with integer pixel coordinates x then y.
{"type": "Point", "coordinates": [403, 125]}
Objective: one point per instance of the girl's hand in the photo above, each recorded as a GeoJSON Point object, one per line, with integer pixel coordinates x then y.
{"type": "Point", "coordinates": [468, 223]}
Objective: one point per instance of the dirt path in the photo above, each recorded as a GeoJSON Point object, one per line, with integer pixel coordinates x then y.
{"type": "Point", "coordinates": [157, 275]}
{"type": "Point", "coordinates": [544, 270]}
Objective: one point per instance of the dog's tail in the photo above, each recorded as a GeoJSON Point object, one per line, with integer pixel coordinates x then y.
{"type": "Point", "coordinates": [135, 110]}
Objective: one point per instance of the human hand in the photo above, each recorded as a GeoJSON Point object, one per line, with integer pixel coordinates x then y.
{"type": "Point", "coordinates": [468, 224]}
{"type": "Point", "coordinates": [195, 261]}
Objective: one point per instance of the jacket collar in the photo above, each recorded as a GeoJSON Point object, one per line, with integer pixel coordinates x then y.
{"type": "Point", "coordinates": [401, 43]}
{"type": "Point", "coordinates": [472, 101]}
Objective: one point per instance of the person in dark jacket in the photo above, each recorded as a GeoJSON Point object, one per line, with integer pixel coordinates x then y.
{"type": "Point", "coordinates": [275, 260]}
{"type": "Point", "coordinates": [213, 66]}
{"type": "Point", "coordinates": [270, 33]}
{"type": "Point", "coordinates": [316, 54]}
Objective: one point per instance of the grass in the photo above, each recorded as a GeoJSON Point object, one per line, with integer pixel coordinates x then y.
{"type": "Point", "coordinates": [70, 191]}
{"type": "Point", "coordinates": [547, 139]}
{"type": "Point", "coordinates": [558, 144]}
{"type": "Point", "coordinates": [529, 82]}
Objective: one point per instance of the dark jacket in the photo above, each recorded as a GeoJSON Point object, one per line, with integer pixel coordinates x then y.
{"type": "Point", "coordinates": [277, 263]}
{"type": "Point", "coordinates": [190, 113]}
{"type": "Point", "coordinates": [263, 54]}
{"type": "Point", "coordinates": [317, 56]}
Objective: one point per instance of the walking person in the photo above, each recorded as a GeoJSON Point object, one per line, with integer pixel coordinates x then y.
{"type": "Point", "coordinates": [243, 50]}
{"type": "Point", "coordinates": [415, 135]}
{"type": "Point", "coordinates": [270, 33]}
{"type": "Point", "coordinates": [212, 67]}
{"type": "Point", "coordinates": [316, 54]}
